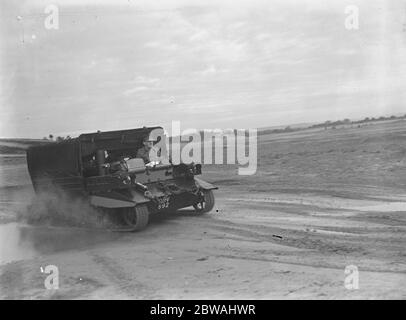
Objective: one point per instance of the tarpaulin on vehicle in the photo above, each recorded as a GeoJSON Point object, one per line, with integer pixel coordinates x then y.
{"type": "Point", "coordinates": [116, 140]}
{"type": "Point", "coordinates": [54, 160]}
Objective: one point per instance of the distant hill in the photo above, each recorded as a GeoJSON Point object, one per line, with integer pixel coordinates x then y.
{"type": "Point", "coordinates": [333, 124]}
{"type": "Point", "coordinates": [18, 146]}
{"type": "Point", "coordinates": [302, 125]}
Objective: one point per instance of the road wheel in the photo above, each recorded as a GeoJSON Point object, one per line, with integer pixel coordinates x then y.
{"type": "Point", "coordinates": [206, 204]}
{"type": "Point", "coordinates": [136, 218]}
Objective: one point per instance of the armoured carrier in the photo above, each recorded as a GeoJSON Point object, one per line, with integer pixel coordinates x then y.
{"type": "Point", "coordinates": [103, 168]}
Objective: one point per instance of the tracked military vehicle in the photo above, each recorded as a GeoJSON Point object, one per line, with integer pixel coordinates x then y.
{"type": "Point", "coordinates": [103, 168]}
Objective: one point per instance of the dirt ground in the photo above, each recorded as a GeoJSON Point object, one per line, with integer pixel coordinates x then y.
{"type": "Point", "coordinates": [321, 200]}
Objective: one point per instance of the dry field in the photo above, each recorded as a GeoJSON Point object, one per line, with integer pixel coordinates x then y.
{"type": "Point", "coordinates": [321, 200]}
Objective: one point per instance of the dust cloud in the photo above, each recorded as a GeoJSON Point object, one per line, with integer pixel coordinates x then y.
{"type": "Point", "coordinates": [57, 208]}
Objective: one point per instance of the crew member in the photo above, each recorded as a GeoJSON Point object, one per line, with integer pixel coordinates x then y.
{"type": "Point", "coordinates": [150, 154]}
{"type": "Point", "coordinates": [147, 152]}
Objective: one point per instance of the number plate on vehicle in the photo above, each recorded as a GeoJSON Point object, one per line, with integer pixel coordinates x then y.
{"type": "Point", "coordinates": [163, 202]}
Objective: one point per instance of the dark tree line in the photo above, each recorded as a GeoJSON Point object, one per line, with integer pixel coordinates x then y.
{"type": "Point", "coordinates": [57, 139]}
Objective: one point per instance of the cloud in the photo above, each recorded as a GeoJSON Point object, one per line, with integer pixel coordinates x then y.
{"type": "Point", "coordinates": [152, 44]}
{"type": "Point", "coordinates": [175, 57]}
{"type": "Point", "coordinates": [142, 83]}
{"type": "Point", "coordinates": [147, 80]}
{"type": "Point", "coordinates": [199, 35]}
{"type": "Point", "coordinates": [135, 90]}
{"type": "Point", "coordinates": [209, 70]}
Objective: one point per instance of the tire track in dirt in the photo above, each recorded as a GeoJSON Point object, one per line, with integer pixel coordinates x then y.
{"type": "Point", "coordinates": [320, 245]}
{"type": "Point", "coordinates": [11, 282]}
{"type": "Point", "coordinates": [122, 280]}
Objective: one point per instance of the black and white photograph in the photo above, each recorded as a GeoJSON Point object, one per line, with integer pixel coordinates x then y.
{"type": "Point", "coordinates": [216, 151]}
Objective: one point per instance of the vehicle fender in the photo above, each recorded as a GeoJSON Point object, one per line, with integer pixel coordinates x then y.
{"type": "Point", "coordinates": [107, 202]}
{"type": "Point", "coordinates": [204, 185]}
{"type": "Point", "coordinates": [116, 200]}
{"type": "Point", "coordinates": [139, 198]}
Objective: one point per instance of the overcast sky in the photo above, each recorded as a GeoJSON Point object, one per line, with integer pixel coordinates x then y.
{"type": "Point", "coordinates": [209, 64]}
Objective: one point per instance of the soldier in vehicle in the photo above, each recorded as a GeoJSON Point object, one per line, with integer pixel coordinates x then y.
{"type": "Point", "coordinates": [90, 166]}
{"type": "Point", "coordinates": [150, 154]}
{"type": "Point", "coordinates": [147, 152]}
{"type": "Point", "coordinates": [115, 162]}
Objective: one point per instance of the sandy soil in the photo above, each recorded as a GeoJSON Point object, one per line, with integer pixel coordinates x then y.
{"type": "Point", "coordinates": [320, 201]}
